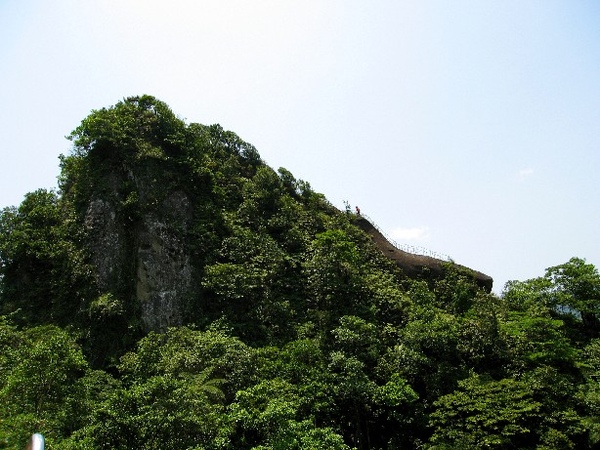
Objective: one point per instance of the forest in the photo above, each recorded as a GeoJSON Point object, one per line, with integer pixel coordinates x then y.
{"type": "Point", "coordinates": [175, 292]}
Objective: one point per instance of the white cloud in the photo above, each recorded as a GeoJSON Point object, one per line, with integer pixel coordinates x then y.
{"type": "Point", "coordinates": [524, 173]}
{"type": "Point", "coordinates": [410, 234]}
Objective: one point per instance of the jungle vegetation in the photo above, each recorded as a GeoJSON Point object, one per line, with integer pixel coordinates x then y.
{"type": "Point", "coordinates": [298, 333]}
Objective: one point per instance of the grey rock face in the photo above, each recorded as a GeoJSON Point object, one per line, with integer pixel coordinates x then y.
{"type": "Point", "coordinates": [107, 242]}
{"type": "Point", "coordinates": [163, 271]}
{"type": "Point", "coordinates": [149, 260]}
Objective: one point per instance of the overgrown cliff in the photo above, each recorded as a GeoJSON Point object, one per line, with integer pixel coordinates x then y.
{"type": "Point", "coordinates": [179, 223]}
{"type": "Point", "coordinates": [176, 292]}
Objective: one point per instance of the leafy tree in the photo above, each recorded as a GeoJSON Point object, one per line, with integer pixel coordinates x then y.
{"type": "Point", "coordinates": [138, 125]}
{"type": "Point", "coordinates": [40, 368]}
{"type": "Point", "coordinates": [534, 412]}
{"type": "Point", "coordinates": [589, 392]}
{"type": "Point", "coordinates": [533, 341]}
{"type": "Point", "coordinates": [246, 285]}
{"type": "Point", "coordinates": [482, 346]}
{"type": "Point", "coordinates": [303, 364]}
{"type": "Point", "coordinates": [182, 352]}
{"type": "Point", "coordinates": [571, 290]}
{"type": "Point", "coordinates": [262, 195]}
{"type": "Point", "coordinates": [561, 422]}
{"type": "Point", "coordinates": [357, 337]}
{"type": "Point", "coordinates": [576, 287]}
{"type": "Point", "coordinates": [389, 302]}
{"type": "Point", "coordinates": [484, 413]}
{"type": "Point", "coordinates": [353, 393]}
{"type": "Point", "coordinates": [263, 409]}
{"type": "Point", "coordinates": [160, 412]}
{"type": "Point", "coordinates": [333, 275]}
{"type": "Point", "coordinates": [304, 435]}
{"type": "Point", "coordinates": [278, 414]}
{"type": "Point", "coordinates": [396, 415]}
{"type": "Point", "coordinates": [428, 353]}
{"type": "Point", "coordinates": [172, 395]}
{"type": "Point", "coordinates": [42, 270]}
{"type": "Point", "coordinates": [457, 290]}
{"type": "Point", "coordinates": [529, 297]}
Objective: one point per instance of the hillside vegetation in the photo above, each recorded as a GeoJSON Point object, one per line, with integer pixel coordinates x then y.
{"type": "Point", "coordinates": [176, 292]}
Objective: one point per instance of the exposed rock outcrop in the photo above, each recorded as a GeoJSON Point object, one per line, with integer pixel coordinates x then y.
{"type": "Point", "coordinates": [107, 242]}
{"type": "Point", "coordinates": [144, 258]}
{"type": "Point", "coordinates": [163, 271]}
{"type": "Point", "coordinates": [415, 266]}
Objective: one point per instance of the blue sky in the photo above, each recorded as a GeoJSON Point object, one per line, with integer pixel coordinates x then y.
{"type": "Point", "coordinates": [471, 128]}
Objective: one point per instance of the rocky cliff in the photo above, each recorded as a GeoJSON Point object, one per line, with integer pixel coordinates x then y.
{"type": "Point", "coordinates": [417, 265]}
{"type": "Point", "coordinates": [137, 223]}
{"type": "Point", "coordinates": [164, 204]}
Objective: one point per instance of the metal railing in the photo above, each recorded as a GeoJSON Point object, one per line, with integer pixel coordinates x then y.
{"type": "Point", "coordinates": [414, 249]}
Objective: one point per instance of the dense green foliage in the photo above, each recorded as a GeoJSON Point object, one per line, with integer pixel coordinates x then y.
{"type": "Point", "coordinates": [298, 333]}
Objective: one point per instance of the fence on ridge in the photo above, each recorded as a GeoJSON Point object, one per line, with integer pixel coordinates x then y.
{"type": "Point", "coordinates": [414, 249]}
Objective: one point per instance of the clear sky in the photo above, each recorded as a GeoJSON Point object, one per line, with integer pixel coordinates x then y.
{"type": "Point", "coordinates": [471, 128]}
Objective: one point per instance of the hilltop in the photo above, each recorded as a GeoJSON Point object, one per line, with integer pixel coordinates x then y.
{"type": "Point", "coordinates": [164, 221]}
{"type": "Point", "coordinates": [177, 292]}
{"type": "Point", "coordinates": [416, 265]}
